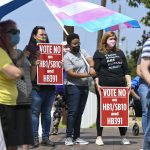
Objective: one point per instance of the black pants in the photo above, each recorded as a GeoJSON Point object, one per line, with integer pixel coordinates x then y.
{"type": "Point", "coordinates": [122, 130]}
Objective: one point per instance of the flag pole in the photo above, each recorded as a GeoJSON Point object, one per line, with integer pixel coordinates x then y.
{"type": "Point", "coordinates": [56, 18]}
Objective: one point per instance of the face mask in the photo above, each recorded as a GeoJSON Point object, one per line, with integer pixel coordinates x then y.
{"type": "Point", "coordinates": [76, 49]}
{"type": "Point", "coordinates": [111, 43]}
{"type": "Point", "coordinates": [41, 40]}
{"type": "Point", "coordinates": [14, 39]}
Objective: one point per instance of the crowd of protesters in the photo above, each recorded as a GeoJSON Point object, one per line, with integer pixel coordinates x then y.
{"type": "Point", "coordinates": [21, 109]}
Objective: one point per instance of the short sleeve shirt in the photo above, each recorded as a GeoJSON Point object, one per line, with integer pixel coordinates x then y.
{"type": "Point", "coordinates": [8, 89]}
{"type": "Point", "coordinates": [77, 63]}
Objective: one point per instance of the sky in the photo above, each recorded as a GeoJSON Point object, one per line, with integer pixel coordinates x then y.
{"type": "Point", "coordinates": [35, 13]}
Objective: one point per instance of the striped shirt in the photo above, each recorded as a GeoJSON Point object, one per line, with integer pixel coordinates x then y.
{"type": "Point", "coordinates": [146, 49]}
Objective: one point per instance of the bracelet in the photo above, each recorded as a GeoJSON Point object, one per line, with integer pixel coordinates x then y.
{"type": "Point", "coordinates": [91, 66]}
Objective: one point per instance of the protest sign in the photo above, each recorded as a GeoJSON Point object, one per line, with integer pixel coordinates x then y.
{"type": "Point", "coordinates": [114, 106]}
{"type": "Point", "coordinates": [50, 70]}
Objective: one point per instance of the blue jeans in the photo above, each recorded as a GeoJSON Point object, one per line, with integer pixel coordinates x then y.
{"type": "Point", "coordinates": [42, 102]}
{"type": "Point", "coordinates": [76, 100]}
{"type": "Point", "coordinates": [147, 132]}
{"type": "Point", "coordinates": [143, 89]}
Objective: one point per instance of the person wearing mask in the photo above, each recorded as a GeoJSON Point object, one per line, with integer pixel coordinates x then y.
{"type": "Point", "coordinates": [112, 70]}
{"type": "Point", "coordinates": [78, 65]}
{"type": "Point", "coordinates": [9, 37]}
{"type": "Point", "coordinates": [42, 95]}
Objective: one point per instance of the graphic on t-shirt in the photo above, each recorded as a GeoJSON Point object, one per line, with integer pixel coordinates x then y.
{"type": "Point", "coordinates": [113, 61]}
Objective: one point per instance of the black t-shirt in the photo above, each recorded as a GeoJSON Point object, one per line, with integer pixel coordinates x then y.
{"type": "Point", "coordinates": [111, 68]}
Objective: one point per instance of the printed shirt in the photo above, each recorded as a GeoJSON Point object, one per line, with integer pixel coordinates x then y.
{"type": "Point", "coordinates": [76, 62]}
{"type": "Point", "coordinates": [8, 89]}
{"type": "Point", "coordinates": [111, 68]}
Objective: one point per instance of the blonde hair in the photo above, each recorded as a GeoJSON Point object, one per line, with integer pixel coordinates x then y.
{"type": "Point", "coordinates": [103, 44]}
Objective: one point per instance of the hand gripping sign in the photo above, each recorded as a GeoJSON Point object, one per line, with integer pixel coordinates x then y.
{"type": "Point", "coordinates": [50, 70]}
{"type": "Point", "coordinates": [114, 106]}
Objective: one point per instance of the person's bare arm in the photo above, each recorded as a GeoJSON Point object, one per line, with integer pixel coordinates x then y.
{"type": "Point", "coordinates": [128, 80]}
{"type": "Point", "coordinates": [133, 93]}
{"type": "Point", "coordinates": [74, 74]}
{"type": "Point", "coordinates": [91, 65]}
{"type": "Point", "coordinates": [138, 70]}
{"type": "Point", "coordinates": [145, 65]}
{"type": "Point", "coordinates": [12, 72]}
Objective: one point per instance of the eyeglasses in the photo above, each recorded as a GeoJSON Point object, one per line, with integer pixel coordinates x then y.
{"type": "Point", "coordinates": [13, 31]}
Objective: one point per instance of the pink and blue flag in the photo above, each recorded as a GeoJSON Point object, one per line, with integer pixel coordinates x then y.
{"type": "Point", "coordinates": [90, 16]}
{"type": "Point", "coordinates": [7, 6]}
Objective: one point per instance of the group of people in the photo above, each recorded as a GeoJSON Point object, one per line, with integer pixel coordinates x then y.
{"type": "Point", "coordinates": [140, 90]}
{"type": "Point", "coordinates": [20, 114]}
{"type": "Point", "coordinates": [22, 101]}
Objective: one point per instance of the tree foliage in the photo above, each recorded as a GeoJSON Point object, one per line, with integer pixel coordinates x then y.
{"type": "Point", "coordinates": [135, 3]}
{"type": "Point", "coordinates": [132, 3]}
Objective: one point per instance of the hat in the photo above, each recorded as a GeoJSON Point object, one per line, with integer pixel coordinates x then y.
{"type": "Point", "coordinates": [71, 37]}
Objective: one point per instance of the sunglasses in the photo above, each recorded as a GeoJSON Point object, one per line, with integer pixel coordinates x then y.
{"type": "Point", "coordinates": [13, 31]}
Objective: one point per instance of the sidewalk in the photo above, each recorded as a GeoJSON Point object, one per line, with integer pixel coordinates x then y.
{"type": "Point", "coordinates": [111, 140]}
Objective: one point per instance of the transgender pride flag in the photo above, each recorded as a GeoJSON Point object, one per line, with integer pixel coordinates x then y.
{"type": "Point", "coordinates": [88, 15]}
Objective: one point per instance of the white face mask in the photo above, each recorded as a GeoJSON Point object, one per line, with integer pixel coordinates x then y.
{"type": "Point", "coordinates": [111, 43]}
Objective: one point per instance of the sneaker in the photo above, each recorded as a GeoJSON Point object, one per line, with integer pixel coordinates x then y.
{"type": "Point", "coordinates": [80, 141]}
{"type": "Point", "coordinates": [99, 141]}
{"type": "Point", "coordinates": [35, 145]}
{"type": "Point", "coordinates": [125, 141]}
{"type": "Point", "coordinates": [48, 143]}
{"type": "Point", "coordinates": [69, 141]}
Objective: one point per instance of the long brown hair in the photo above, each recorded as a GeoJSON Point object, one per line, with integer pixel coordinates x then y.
{"type": "Point", "coordinates": [103, 45]}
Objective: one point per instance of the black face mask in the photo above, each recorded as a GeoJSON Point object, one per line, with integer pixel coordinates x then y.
{"type": "Point", "coordinates": [76, 49]}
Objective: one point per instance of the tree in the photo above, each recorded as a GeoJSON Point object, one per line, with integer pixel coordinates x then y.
{"type": "Point", "coordinates": [132, 3]}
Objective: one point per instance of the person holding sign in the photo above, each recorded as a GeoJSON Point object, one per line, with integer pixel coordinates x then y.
{"type": "Point", "coordinates": [79, 66]}
{"type": "Point", "coordinates": [112, 71]}
{"type": "Point", "coordinates": [42, 95]}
